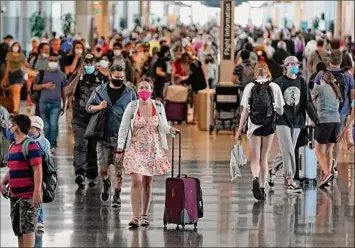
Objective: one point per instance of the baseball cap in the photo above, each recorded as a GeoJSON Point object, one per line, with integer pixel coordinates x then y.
{"type": "Point", "coordinates": [89, 58]}
{"type": "Point", "coordinates": [335, 57]}
{"type": "Point", "coordinates": [37, 122]}
{"type": "Point", "coordinates": [9, 36]}
{"type": "Point", "coordinates": [291, 60]}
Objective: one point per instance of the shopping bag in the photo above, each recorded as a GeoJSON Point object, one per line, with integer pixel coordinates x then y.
{"type": "Point", "coordinates": [237, 160]}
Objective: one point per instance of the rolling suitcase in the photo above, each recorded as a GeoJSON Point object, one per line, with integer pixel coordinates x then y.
{"type": "Point", "coordinates": [307, 161]}
{"type": "Point", "coordinates": [183, 197]}
{"type": "Point", "coordinates": [176, 103]}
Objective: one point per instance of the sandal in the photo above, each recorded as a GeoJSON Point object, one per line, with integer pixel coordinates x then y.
{"type": "Point", "coordinates": [134, 223]}
{"type": "Point", "coordinates": [144, 220]}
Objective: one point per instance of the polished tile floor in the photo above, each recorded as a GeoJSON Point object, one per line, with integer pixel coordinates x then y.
{"type": "Point", "coordinates": [233, 218]}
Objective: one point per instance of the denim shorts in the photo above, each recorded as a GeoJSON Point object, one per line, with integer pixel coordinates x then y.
{"type": "Point", "coordinates": [16, 77]}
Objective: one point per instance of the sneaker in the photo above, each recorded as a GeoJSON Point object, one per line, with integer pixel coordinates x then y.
{"type": "Point", "coordinates": [271, 180]}
{"type": "Point", "coordinates": [39, 227]}
{"type": "Point", "coordinates": [105, 193]}
{"type": "Point", "coordinates": [263, 193]}
{"type": "Point", "coordinates": [334, 168]}
{"type": "Point", "coordinates": [293, 188]}
{"type": "Point", "coordinates": [92, 183]}
{"type": "Point", "coordinates": [53, 151]}
{"type": "Point", "coordinates": [116, 200]}
{"type": "Point", "coordinates": [326, 180]}
{"type": "Point", "coordinates": [80, 180]}
{"type": "Point", "coordinates": [256, 190]}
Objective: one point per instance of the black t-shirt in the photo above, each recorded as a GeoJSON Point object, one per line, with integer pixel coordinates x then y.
{"type": "Point", "coordinates": [162, 64]}
{"type": "Point", "coordinates": [68, 61]}
{"type": "Point", "coordinates": [4, 49]}
{"type": "Point", "coordinates": [115, 94]}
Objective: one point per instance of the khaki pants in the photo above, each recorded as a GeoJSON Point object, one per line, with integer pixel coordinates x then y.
{"type": "Point", "coordinates": [16, 96]}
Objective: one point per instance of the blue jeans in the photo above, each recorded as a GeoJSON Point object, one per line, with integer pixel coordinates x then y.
{"type": "Point", "coordinates": [49, 112]}
{"type": "Point", "coordinates": [40, 215]}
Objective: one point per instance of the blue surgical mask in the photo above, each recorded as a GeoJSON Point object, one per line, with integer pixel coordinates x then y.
{"type": "Point", "coordinates": [294, 70]}
{"type": "Point", "coordinates": [10, 136]}
{"type": "Point", "coordinates": [89, 69]}
{"type": "Point", "coordinates": [33, 135]}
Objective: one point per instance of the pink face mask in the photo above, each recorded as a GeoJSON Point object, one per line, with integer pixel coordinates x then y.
{"type": "Point", "coordinates": [144, 95]}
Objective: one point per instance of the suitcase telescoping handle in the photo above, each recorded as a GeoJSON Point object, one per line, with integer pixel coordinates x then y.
{"type": "Point", "coordinates": [173, 155]}
{"type": "Point", "coordinates": [310, 131]}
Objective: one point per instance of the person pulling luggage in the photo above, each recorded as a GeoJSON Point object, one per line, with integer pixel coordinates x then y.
{"type": "Point", "coordinates": [298, 102]}
{"type": "Point", "coordinates": [142, 136]}
{"type": "Point", "coordinates": [113, 96]}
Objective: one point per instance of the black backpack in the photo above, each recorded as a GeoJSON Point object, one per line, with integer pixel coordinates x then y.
{"type": "Point", "coordinates": [261, 104]}
{"type": "Point", "coordinates": [340, 81]}
{"type": "Point", "coordinates": [49, 169]}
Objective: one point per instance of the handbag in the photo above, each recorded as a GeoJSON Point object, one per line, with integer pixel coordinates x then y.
{"type": "Point", "coordinates": [97, 124]}
{"type": "Point", "coordinates": [70, 89]}
{"type": "Point", "coordinates": [6, 100]}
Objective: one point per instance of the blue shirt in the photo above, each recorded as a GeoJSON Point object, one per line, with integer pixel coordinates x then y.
{"type": "Point", "coordinates": [59, 79]}
{"type": "Point", "coordinates": [349, 86]}
{"type": "Point", "coordinates": [44, 144]}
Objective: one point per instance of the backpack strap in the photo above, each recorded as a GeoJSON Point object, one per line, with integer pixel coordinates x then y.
{"type": "Point", "coordinates": [41, 76]}
{"type": "Point", "coordinates": [35, 61]}
{"type": "Point", "coordinates": [320, 57]}
{"type": "Point", "coordinates": [25, 144]}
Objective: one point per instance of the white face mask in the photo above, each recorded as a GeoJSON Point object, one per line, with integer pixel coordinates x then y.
{"type": "Point", "coordinates": [45, 55]}
{"type": "Point", "coordinates": [78, 51]}
{"type": "Point", "coordinates": [53, 65]}
{"type": "Point", "coordinates": [117, 52]}
{"type": "Point", "coordinates": [104, 63]}
{"type": "Point", "coordinates": [15, 49]}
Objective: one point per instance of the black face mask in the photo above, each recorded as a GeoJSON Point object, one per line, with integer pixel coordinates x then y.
{"type": "Point", "coordinates": [167, 58]}
{"type": "Point", "coordinates": [117, 82]}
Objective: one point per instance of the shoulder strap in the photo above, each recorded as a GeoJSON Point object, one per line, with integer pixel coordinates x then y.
{"type": "Point", "coordinates": [35, 61]}
{"type": "Point", "coordinates": [320, 57]}
{"type": "Point", "coordinates": [41, 76]}
{"type": "Point", "coordinates": [25, 144]}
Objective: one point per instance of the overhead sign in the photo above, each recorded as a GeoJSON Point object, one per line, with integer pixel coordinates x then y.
{"type": "Point", "coordinates": [227, 30]}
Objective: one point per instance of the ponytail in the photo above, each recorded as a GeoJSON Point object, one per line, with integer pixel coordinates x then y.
{"type": "Point", "coordinates": [329, 79]}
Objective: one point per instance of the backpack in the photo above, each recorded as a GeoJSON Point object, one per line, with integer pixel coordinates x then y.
{"type": "Point", "coordinates": [248, 73]}
{"type": "Point", "coordinates": [49, 169]}
{"type": "Point", "coordinates": [36, 94]}
{"type": "Point", "coordinates": [340, 81]}
{"type": "Point", "coordinates": [261, 104]}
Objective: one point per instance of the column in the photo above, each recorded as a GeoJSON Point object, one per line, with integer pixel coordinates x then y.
{"type": "Point", "coordinates": [82, 18]}
{"type": "Point", "coordinates": [146, 13]}
{"type": "Point", "coordinates": [104, 30]}
{"type": "Point", "coordinates": [227, 41]}
{"type": "Point", "coordinates": [298, 15]}
{"type": "Point", "coordinates": [338, 19]}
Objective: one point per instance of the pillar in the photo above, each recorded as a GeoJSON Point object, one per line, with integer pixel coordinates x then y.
{"type": "Point", "coordinates": [338, 19]}
{"type": "Point", "coordinates": [82, 18]}
{"type": "Point", "coordinates": [227, 40]}
{"type": "Point", "coordinates": [146, 13]}
{"type": "Point", "coordinates": [298, 15]}
{"type": "Point", "coordinates": [105, 26]}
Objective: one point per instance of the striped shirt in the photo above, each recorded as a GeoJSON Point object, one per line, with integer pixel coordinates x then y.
{"type": "Point", "coordinates": [20, 169]}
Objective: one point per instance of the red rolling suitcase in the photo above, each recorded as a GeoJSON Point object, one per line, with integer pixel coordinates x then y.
{"type": "Point", "coordinates": [183, 197]}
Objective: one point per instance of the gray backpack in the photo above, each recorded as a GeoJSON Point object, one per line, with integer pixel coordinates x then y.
{"type": "Point", "coordinates": [248, 72]}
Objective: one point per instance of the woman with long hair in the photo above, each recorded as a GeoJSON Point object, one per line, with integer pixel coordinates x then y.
{"type": "Point", "coordinates": [142, 134]}
{"type": "Point", "coordinates": [327, 97]}
{"type": "Point", "coordinates": [260, 137]}
{"type": "Point", "coordinates": [14, 74]}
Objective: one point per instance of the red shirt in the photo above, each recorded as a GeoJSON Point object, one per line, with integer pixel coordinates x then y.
{"type": "Point", "coordinates": [20, 169]}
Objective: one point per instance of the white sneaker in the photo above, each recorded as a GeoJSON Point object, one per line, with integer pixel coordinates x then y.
{"type": "Point", "coordinates": [293, 188]}
{"type": "Point", "coordinates": [39, 227]}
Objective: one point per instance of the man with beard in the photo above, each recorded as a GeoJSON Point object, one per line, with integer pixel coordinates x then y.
{"type": "Point", "coordinates": [85, 159]}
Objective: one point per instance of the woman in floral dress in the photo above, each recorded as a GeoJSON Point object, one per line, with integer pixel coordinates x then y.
{"type": "Point", "coordinates": [142, 135]}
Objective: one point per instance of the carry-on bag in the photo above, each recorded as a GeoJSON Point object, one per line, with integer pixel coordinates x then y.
{"type": "Point", "coordinates": [176, 111]}
{"type": "Point", "coordinates": [6, 100]}
{"type": "Point", "coordinates": [307, 161]}
{"type": "Point", "coordinates": [183, 197]}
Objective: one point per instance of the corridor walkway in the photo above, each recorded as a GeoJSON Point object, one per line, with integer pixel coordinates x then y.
{"type": "Point", "coordinates": [232, 217]}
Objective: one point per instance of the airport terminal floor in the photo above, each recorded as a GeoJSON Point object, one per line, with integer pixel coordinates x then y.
{"type": "Point", "coordinates": [77, 218]}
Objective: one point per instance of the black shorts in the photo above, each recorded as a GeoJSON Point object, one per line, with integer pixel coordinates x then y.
{"type": "Point", "coordinates": [265, 130]}
{"type": "Point", "coordinates": [327, 133]}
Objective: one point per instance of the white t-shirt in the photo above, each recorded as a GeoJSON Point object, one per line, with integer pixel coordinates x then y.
{"type": "Point", "coordinates": [278, 97]}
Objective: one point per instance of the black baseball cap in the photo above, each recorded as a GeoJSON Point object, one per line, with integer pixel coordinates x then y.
{"type": "Point", "coordinates": [9, 36]}
{"type": "Point", "coordinates": [89, 58]}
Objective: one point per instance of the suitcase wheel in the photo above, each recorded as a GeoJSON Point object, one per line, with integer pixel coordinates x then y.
{"type": "Point", "coordinates": [195, 227]}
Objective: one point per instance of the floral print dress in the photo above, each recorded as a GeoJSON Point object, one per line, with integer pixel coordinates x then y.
{"type": "Point", "coordinates": [145, 156]}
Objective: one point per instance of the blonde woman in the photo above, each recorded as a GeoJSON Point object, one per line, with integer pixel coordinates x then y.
{"type": "Point", "coordinates": [142, 134]}
{"type": "Point", "coordinates": [14, 75]}
{"type": "Point", "coordinates": [260, 137]}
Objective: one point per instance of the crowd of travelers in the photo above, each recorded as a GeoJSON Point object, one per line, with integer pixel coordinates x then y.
{"type": "Point", "coordinates": [122, 79]}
